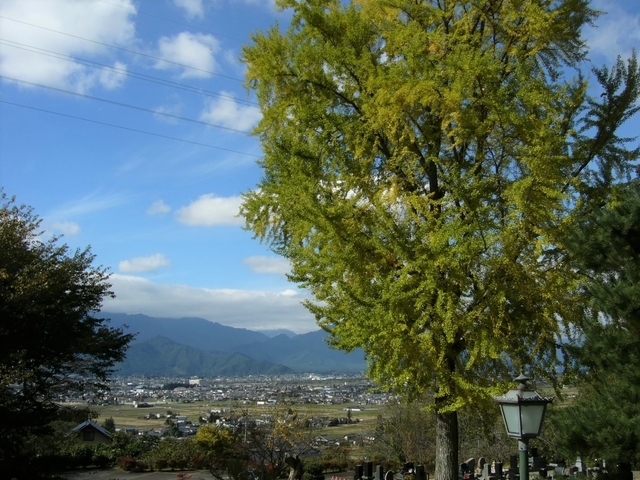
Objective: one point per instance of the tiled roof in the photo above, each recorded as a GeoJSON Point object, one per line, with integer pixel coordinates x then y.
{"type": "Point", "coordinates": [91, 423]}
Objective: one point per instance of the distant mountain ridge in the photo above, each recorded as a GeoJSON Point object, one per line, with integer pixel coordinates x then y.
{"type": "Point", "coordinates": [195, 332]}
{"type": "Point", "coordinates": [210, 348]}
{"type": "Point", "coordinates": [160, 356]}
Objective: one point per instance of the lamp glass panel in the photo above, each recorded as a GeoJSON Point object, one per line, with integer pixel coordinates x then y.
{"type": "Point", "coordinates": [532, 418]}
{"type": "Point", "coordinates": [511, 416]}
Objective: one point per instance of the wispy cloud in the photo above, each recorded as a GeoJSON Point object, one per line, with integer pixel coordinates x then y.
{"type": "Point", "coordinates": [158, 207]}
{"type": "Point", "coordinates": [65, 228]}
{"type": "Point", "coordinates": [114, 78]}
{"type": "Point", "coordinates": [270, 4]}
{"type": "Point", "coordinates": [616, 32]}
{"type": "Point", "coordinates": [260, 264]}
{"type": "Point", "coordinates": [209, 210]}
{"type": "Point", "coordinates": [237, 308]}
{"type": "Point", "coordinates": [174, 109]}
{"type": "Point", "coordinates": [192, 8]}
{"type": "Point", "coordinates": [86, 205]}
{"type": "Point", "coordinates": [144, 264]}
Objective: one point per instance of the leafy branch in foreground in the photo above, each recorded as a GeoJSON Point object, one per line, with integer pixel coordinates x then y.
{"type": "Point", "coordinates": [51, 341]}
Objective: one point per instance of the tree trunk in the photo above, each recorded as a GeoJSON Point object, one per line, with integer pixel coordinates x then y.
{"type": "Point", "coordinates": [446, 446]}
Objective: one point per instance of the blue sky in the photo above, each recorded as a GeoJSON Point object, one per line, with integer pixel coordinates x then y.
{"type": "Point", "coordinates": [160, 212]}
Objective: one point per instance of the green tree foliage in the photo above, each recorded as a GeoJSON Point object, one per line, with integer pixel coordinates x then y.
{"type": "Point", "coordinates": [604, 420]}
{"type": "Point", "coordinates": [224, 450]}
{"type": "Point", "coordinates": [109, 425]}
{"type": "Point", "coordinates": [313, 471]}
{"type": "Point", "coordinates": [51, 342]}
{"type": "Point", "coordinates": [606, 248]}
{"type": "Point", "coordinates": [422, 162]}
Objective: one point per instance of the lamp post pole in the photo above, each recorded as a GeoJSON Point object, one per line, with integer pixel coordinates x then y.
{"type": "Point", "coordinates": [523, 460]}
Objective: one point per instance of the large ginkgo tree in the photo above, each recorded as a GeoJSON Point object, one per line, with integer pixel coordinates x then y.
{"type": "Point", "coordinates": [423, 160]}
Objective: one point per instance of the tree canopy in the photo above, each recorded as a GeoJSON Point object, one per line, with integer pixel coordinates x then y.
{"type": "Point", "coordinates": [604, 420]}
{"type": "Point", "coordinates": [606, 248]}
{"type": "Point", "coordinates": [423, 163]}
{"type": "Point", "coordinates": [51, 341]}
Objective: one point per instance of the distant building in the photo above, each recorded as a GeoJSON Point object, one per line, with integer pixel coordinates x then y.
{"type": "Point", "coordinates": [91, 433]}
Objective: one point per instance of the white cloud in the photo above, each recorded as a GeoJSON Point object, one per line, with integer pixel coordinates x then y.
{"type": "Point", "coordinates": [144, 264]}
{"type": "Point", "coordinates": [106, 22]}
{"type": "Point", "coordinates": [195, 50]}
{"type": "Point", "coordinates": [158, 207]}
{"type": "Point", "coordinates": [66, 228]}
{"type": "Point", "coordinates": [210, 210]}
{"type": "Point", "coordinates": [228, 113]}
{"type": "Point", "coordinates": [261, 264]}
{"type": "Point", "coordinates": [112, 79]}
{"type": "Point", "coordinates": [616, 33]}
{"type": "Point", "coordinates": [250, 309]}
{"type": "Point", "coordinates": [193, 8]}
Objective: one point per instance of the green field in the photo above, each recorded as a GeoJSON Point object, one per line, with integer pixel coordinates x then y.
{"type": "Point", "coordinates": [128, 416]}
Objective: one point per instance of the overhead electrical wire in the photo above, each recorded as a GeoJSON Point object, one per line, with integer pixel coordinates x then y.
{"type": "Point", "coordinates": [126, 105]}
{"type": "Point", "coordinates": [123, 49]}
{"type": "Point", "coordinates": [140, 76]}
{"type": "Point", "coordinates": [123, 71]}
{"type": "Point", "coordinates": [130, 129]}
{"type": "Point", "coordinates": [136, 11]}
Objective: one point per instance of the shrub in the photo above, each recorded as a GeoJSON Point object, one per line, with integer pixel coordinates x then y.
{"type": "Point", "coordinates": [101, 461]}
{"type": "Point", "coordinates": [334, 465]}
{"type": "Point", "coordinates": [313, 471]}
{"type": "Point", "coordinates": [126, 463]}
{"type": "Point", "coordinates": [161, 463]}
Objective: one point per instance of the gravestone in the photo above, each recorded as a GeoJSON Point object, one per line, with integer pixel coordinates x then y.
{"type": "Point", "coordinates": [421, 474]}
{"type": "Point", "coordinates": [379, 472]}
{"type": "Point", "coordinates": [471, 465]}
{"type": "Point", "coordinates": [537, 463]}
{"type": "Point", "coordinates": [358, 473]}
{"type": "Point", "coordinates": [389, 475]}
{"type": "Point", "coordinates": [368, 470]}
{"type": "Point", "coordinates": [513, 467]}
{"type": "Point", "coordinates": [498, 469]}
{"type": "Point", "coordinates": [463, 470]}
{"type": "Point", "coordinates": [624, 471]}
{"type": "Point", "coordinates": [481, 463]}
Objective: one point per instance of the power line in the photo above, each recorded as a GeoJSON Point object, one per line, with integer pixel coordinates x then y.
{"type": "Point", "coordinates": [172, 21]}
{"type": "Point", "coordinates": [123, 71]}
{"type": "Point", "coordinates": [120, 104]}
{"type": "Point", "coordinates": [123, 49]}
{"type": "Point", "coordinates": [131, 129]}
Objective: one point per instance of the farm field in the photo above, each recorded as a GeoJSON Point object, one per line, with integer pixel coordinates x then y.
{"type": "Point", "coordinates": [126, 416]}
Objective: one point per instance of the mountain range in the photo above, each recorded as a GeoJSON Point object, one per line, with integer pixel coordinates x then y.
{"type": "Point", "coordinates": [198, 347]}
